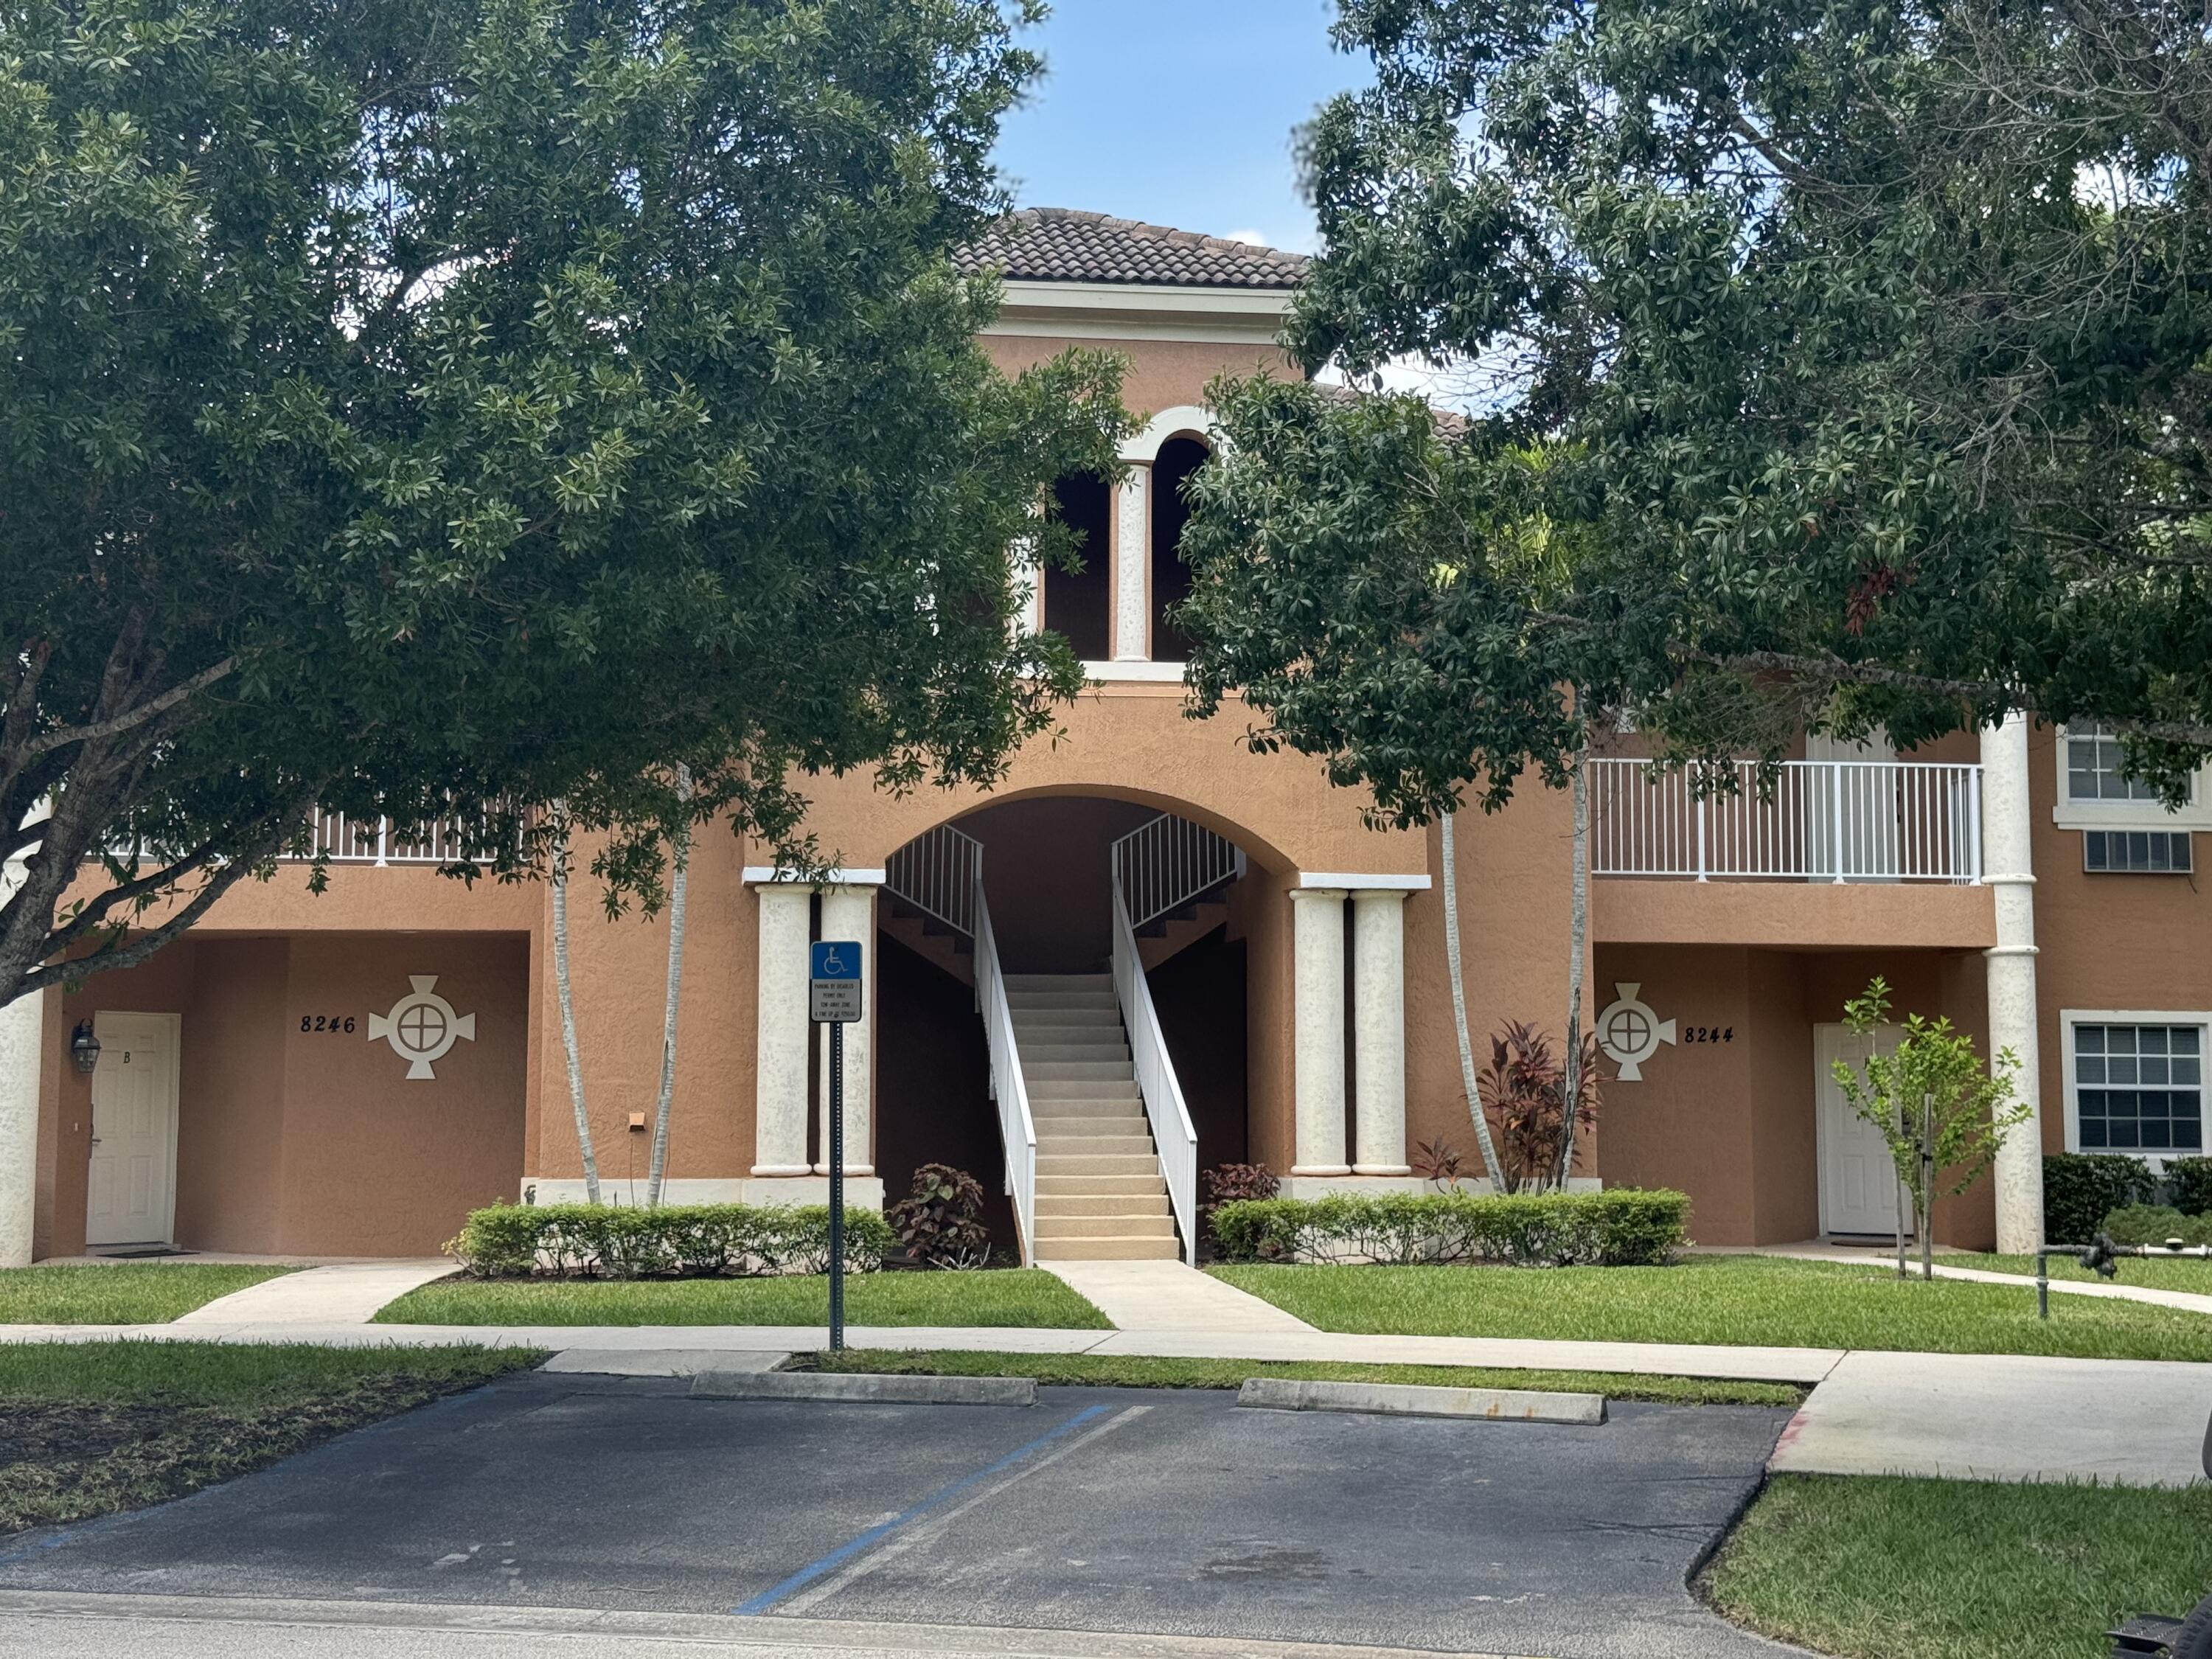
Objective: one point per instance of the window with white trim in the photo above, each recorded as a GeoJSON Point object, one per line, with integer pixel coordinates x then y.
{"type": "Point", "coordinates": [2094, 769]}
{"type": "Point", "coordinates": [2136, 1086]}
{"type": "Point", "coordinates": [2095, 793]}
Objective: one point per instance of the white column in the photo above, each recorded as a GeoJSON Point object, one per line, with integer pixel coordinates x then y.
{"type": "Point", "coordinates": [1317, 926]}
{"type": "Point", "coordinates": [2007, 865]}
{"type": "Point", "coordinates": [22, 1052]}
{"type": "Point", "coordinates": [780, 1043]}
{"type": "Point", "coordinates": [1378, 1031]}
{"type": "Point", "coordinates": [849, 913]}
{"type": "Point", "coordinates": [1132, 571]}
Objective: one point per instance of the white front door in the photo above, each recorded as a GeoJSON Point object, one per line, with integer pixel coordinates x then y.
{"type": "Point", "coordinates": [131, 1195]}
{"type": "Point", "coordinates": [1858, 1178]}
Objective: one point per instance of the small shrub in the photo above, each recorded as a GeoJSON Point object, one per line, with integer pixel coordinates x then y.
{"type": "Point", "coordinates": [2079, 1189]}
{"type": "Point", "coordinates": [675, 1241]}
{"type": "Point", "coordinates": [2154, 1224]}
{"type": "Point", "coordinates": [941, 1224]}
{"type": "Point", "coordinates": [1235, 1183]}
{"type": "Point", "coordinates": [1438, 1163]}
{"type": "Point", "coordinates": [1524, 1092]}
{"type": "Point", "coordinates": [2190, 1179]}
{"type": "Point", "coordinates": [1623, 1227]}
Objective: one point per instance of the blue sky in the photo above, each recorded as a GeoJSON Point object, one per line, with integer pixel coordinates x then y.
{"type": "Point", "coordinates": [1177, 111]}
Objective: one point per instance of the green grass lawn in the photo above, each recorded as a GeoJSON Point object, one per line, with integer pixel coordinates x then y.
{"type": "Point", "coordinates": [1019, 1296]}
{"type": "Point", "coordinates": [1740, 1299]}
{"type": "Point", "coordinates": [1887, 1568]}
{"type": "Point", "coordinates": [1144, 1371]}
{"type": "Point", "coordinates": [120, 1292]}
{"type": "Point", "coordinates": [89, 1428]}
{"type": "Point", "coordinates": [2183, 1274]}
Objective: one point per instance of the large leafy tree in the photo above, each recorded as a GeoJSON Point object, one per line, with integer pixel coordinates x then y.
{"type": "Point", "coordinates": [442, 407]}
{"type": "Point", "coordinates": [1866, 346]}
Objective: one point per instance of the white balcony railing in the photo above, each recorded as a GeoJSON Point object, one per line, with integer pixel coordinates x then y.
{"type": "Point", "coordinates": [1834, 820]}
{"type": "Point", "coordinates": [380, 842]}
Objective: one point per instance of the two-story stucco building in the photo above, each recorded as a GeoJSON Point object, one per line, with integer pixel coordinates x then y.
{"type": "Point", "coordinates": [1150, 952]}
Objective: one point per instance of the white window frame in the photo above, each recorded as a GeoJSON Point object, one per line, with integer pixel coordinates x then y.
{"type": "Point", "coordinates": [2068, 814]}
{"type": "Point", "coordinates": [2070, 1018]}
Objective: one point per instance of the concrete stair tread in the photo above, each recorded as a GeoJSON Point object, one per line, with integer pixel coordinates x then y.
{"type": "Point", "coordinates": [1086, 1249]}
{"type": "Point", "coordinates": [1109, 1204]}
{"type": "Point", "coordinates": [1097, 1186]}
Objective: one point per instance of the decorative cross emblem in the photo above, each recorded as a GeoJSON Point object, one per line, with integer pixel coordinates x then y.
{"type": "Point", "coordinates": [421, 1026]}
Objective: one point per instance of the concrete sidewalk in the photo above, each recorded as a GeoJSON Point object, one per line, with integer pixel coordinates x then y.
{"type": "Point", "coordinates": [1169, 1296]}
{"type": "Point", "coordinates": [1968, 1417]}
{"type": "Point", "coordinates": [1801, 1365]}
{"type": "Point", "coordinates": [344, 1293]}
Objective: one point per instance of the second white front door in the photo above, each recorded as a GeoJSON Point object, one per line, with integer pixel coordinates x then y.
{"type": "Point", "coordinates": [130, 1196]}
{"type": "Point", "coordinates": [1858, 1178]}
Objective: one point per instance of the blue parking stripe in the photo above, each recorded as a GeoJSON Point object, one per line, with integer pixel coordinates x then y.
{"type": "Point", "coordinates": [875, 1535]}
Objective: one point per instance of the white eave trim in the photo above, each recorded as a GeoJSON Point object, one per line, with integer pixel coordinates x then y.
{"type": "Point", "coordinates": [1143, 311]}
{"type": "Point", "coordinates": [1363, 882]}
{"type": "Point", "coordinates": [767, 875]}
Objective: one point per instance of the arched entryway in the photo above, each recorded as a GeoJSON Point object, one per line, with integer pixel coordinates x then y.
{"type": "Point", "coordinates": [1103, 944]}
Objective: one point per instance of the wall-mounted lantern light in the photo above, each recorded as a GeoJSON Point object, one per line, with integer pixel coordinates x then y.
{"type": "Point", "coordinates": [84, 1047]}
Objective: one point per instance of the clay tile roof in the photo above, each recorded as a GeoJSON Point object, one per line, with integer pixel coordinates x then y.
{"type": "Point", "coordinates": [1064, 245]}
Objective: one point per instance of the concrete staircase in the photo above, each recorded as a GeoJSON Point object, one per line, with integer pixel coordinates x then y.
{"type": "Point", "coordinates": [1099, 1194]}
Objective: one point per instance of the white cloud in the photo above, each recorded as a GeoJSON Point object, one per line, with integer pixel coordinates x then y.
{"type": "Point", "coordinates": [1258, 239]}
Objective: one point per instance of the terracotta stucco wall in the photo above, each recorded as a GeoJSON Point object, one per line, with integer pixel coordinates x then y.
{"type": "Point", "coordinates": [1691, 1123]}
{"type": "Point", "coordinates": [1733, 1123]}
{"type": "Point", "coordinates": [1161, 374]}
{"type": "Point", "coordinates": [375, 1163]}
{"type": "Point", "coordinates": [620, 968]}
{"type": "Point", "coordinates": [311, 1142]}
{"type": "Point", "coordinates": [2106, 941]}
{"type": "Point", "coordinates": [230, 1131]}
{"type": "Point", "coordinates": [1514, 891]}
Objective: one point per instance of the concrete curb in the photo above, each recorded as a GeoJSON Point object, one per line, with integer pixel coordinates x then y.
{"type": "Point", "coordinates": [1406, 1399]}
{"type": "Point", "coordinates": [861, 1388]}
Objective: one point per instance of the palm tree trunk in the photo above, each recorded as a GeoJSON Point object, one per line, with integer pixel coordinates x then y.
{"type": "Point", "coordinates": [1490, 1164]}
{"type": "Point", "coordinates": [569, 1018]}
{"type": "Point", "coordinates": [677, 885]}
{"type": "Point", "coordinates": [1578, 937]}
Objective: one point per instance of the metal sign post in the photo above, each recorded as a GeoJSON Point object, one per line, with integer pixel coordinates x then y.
{"type": "Point", "coordinates": [833, 998]}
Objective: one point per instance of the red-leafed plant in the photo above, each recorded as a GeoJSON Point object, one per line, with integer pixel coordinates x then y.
{"type": "Point", "coordinates": [1523, 1094]}
{"type": "Point", "coordinates": [942, 1224]}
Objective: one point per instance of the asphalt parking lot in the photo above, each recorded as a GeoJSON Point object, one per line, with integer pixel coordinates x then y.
{"type": "Point", "coordinates": [1102, 1509]}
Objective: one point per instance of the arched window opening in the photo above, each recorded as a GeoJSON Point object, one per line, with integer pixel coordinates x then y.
{"type": "Point", "coordinates": [1077, 603]}
{"type": "Point", "coordinates": [1178, 458]}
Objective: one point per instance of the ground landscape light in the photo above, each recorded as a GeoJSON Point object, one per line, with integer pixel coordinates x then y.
{"type": "Point", "coordinates": [84, 1047]}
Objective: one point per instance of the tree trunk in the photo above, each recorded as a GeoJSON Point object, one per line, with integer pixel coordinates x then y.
{"type": "Point", "coordinates": [569, 1018]}
{"type": "Point", "coordinates": [679, 881]}
{"type": "Point", "coordinates": [1489, 1147]}
{"type": "Point", "coordinates": [1577, 941]}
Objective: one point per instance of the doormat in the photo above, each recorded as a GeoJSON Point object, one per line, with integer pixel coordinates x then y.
{"type": "Point", "coordinates": [141, 1255]}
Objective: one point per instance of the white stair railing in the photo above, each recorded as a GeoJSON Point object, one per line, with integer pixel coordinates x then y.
{"type": "Point", "coordinates": [1016, 1127]}
{"type": "Point", "coordinates": [1166, 862]}
{"type": "Point", "coordinates": [938, 873]}
{"type": "Point", "coordinates": [1173, 1136]}
{"type": "Point", "coordinates": [1831, 820]}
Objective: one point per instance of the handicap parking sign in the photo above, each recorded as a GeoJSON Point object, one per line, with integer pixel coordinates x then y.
{"type": "Point", "coordinates": [834, 982]}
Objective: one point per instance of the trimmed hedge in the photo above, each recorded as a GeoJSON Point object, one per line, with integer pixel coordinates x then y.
{"type": "Point", "coordinates": [1621, 1228]}
{"type": "Point", "coordinates": [2154, 1224]}
{"type": "Point", "coordinates": [2190, 1179]}
{"type": "Point", "coordinates": [2079, 1189]}
{"type": "Point", "coordinates": [676, 1240]}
